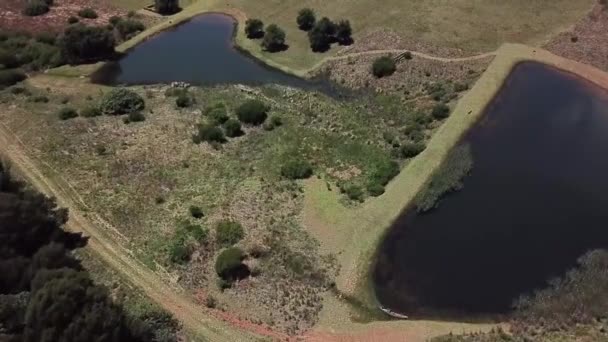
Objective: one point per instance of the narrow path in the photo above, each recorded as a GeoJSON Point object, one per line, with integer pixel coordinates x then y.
{"type": "Point", "coordinates": [414, 53]}
{"type": "Point", "coordinates": [193, 317]}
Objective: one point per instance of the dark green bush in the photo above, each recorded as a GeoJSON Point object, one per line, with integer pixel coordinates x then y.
{"type": "Point", "coordinates": [384, 66]}
{"type": "Point", "coordinates": [128, 27]}
{"type": "Point", "coordinates": [227, 233]}
{"type": "Point", "coordinates": [184, 100]}
{"type": "Point", "coordinates": [210, 134]}
{"type": "Point", "coordinates": [228, 260]}
{"type": "Point", "coordinates": [166, 7]}
{"type": "Point", "coordinates": [344, 33]}
{"type": "Point", "coordinates": [306, 19]}
{"type": "Point", "coordinates": [114, 20]}
{"type": "Point", "coordinates": [233, 128]}
{"type": "Point", "coordinates": [354, 192]}
{"type": "Point", "coordinates": [121, 101]}
{"type": "Point", "coordinates": [131, 14]}
{"type": "Point", "coordinates": [410, 150]}
{"type": "Point", "coordinates": [375, 189]}
{"type": "Point", "coordinates": [67, 113]}
{"type": "Point", "coordinates": [135, 117]}
{"type": "Point", "coordinates": [196, 212]}
{"type": "Point", "coordinates": [87, 13]}
{"type": "Point", "coordinates": [81, 43]}
{"type": "Point", "coordinates": [89, 112]}
{"type": "Point", "coordinates": [8, 59]}
{"type": "Point", "coordinates": [73, 20]}
{"type": "Point", "coordinates": [384, 172]}
{"type": "Point", "coordinates": [440, 111]}
{"type": "Point", "coordinates": [253, 112]}
{"type": "Point", "coordinates": [35, 8]}
{"type": "Point", "coordinates": [10, 77]}
{"type": "Point", "coordinates": [296, 169]}
{"type": "Point", "coordinates": [217, 113]}
{"type": "Point", "coordinates": [274, 39]}
{"type": "Point", "coordinates": [254, 28]}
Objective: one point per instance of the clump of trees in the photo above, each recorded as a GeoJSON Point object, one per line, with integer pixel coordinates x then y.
{"type": "Point", "coordinates": [45, 294]}
{"type": "Point", "coordinates": [254, 28]}
{"type": "Point", "coordinates": [121, 101]}
{"type": "Point", "coordinates": [325, 32]}
{"type": "Point", "coordinates": [166, 7]}
{"type": "Point", "coordinates": [80, 43]}
{"type": "Point", "coordinates": [253, 112]}
{"type": "Point", "coordinates": [384, 66]}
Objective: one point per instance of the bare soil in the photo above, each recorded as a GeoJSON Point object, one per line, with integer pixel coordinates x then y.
{"type": "Point", "coordinates": [56, 19]}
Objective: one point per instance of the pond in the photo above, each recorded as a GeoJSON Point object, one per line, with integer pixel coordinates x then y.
{"type": "Point", "coordinates": [534, 203]}
{"type": "Point", "coordinates": [199, 51]}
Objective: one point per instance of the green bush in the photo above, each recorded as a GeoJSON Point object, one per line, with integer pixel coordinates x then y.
{"type": "Point", "coordinates": [354, 192]}
{"type": "Point", "coordinates": [184, 100]}
{"type": "Point", "coordinates": [274, 39]}
{"type": "Point", "coordinates": [384, 66]}
{"type": "Point", "coordinates": [199, 233]}
{"type": "Point", "coordinates": [253, 112]}
{"type": "Point", "coordinates": [210, 134]}
{"type": "Point", "coordinates": [73, 20]}
{"type": "Point", "coordinates": [306, 19]}
{"type": "Point", "coordinates": [114, 20]}
{"type": "Point", "coordinates": [384, 172]}
{"type": "Point", "coordinates": [89, 112]}
{"type": "Point", "coordinates": [67, 113]}
{"type": "Point", "coordinates": [8, 59]}
{"type": "Point", "coordinates": [233, 128]}
{"type": "Point", "coordinates": [228, 260]}
{"type": "Point", "coordinates": [121, 101]}
{"type": "Point", "coordinates": [135, 117]}
{"type": "Point", "coordinates": [254, 28]}
{"type": "Point", "coordinates": [296, 169]}
{"type": "Point", "coordinates": [440, 111]}
{"type": "Point", "coordinates": [375, 189]}
{"type": "Point", "coordinates": [410, 150]}
{"type": "Point", "coordinates": [227, 233]}
{"type": "Point", "coordinates": [35, 8]}
{"type": "Point", "coordinates": [275, 121]}
{"type": "Point", "coordinates": [87, 13]}
{"type": "Point", "coordinates": [196, 212]}
{"type": "Point", "coordinates": [128, 27]}
{"type": "Point", "coordinates": [217, 113]}
{"type": "Point", "coordinates": [10, 77]}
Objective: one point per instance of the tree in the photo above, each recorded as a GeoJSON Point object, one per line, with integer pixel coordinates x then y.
{"type": "Point", "coordinates": [274, 39]}
{"type": "Point", "coordinates": [384, 66]}
{"type": "Point", "coordinates": [306, 19]}
{"type": "Point", "coordinates": [344, 33]}
{"type": "Point", "coordinates": [166, 7]}
{"type": "Point", "coordinates": [322, 35]}
{"type": "Point", "coordinates": [85, 43]}
{"type": "Point", "coordinates": [254, 28]}
{"type": "Point", "coordinates": [327, 26]}
{"type": "Point", "coordinates": [253, 112]}
{"type": "Point", "coordinates": [121, 101]}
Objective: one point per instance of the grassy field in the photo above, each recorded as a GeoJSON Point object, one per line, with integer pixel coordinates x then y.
{"type": "Point", "coordinates": [471, 27]}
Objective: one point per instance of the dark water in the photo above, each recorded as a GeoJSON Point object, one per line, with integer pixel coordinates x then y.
{"type": "Point", "coordinates": [535, 202]}
{"type": "Point", "coordinates": [200, 52]}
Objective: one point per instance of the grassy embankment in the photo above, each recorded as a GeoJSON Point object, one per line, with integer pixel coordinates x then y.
{"type": "Point", "coordinates": [427, 23]}
{"type": "Point", "coordinates": [355, 232]}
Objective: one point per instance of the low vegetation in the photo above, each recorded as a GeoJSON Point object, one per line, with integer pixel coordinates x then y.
{"type": "Point", "coordinates": [448, 178]}
{"type": "Point", "coordinates": [87, 13]}
{"type": "Point", "coordinates": [384, 66]}
{"type": "Point", "coordinates": [228, 233]}
{"type": "Point", "coordinates": [296, 169]}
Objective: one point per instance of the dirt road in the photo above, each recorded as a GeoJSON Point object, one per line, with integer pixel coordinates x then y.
{"type": "Point", "coordinates": [107, 246]}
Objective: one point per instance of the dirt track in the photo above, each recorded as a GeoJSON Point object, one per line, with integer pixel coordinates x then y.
{"type": "Point", "coordinates": [101, 241]}
{"type": "Point", "coordinates": [414, 53]}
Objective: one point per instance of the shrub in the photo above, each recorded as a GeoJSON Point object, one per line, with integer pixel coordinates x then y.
{"type": "Point", "coordinates": [460, 87]}
{"type": "Point", "coordinates": [233, 128]}
{"type": "Point", "coordinates": [344, 33]}
{"type": "Point", "coordinates": [131, 14]}
{"type": "Point", "coordinates": [166, 6]}
{"type": "Point", "coordinates": [128, 27]}
{"type": "Point", "coordinates": [135, 117]}
{"type": "Point", "coordinates": [375, 189]}
{"type": "Point", "coordinates": [228, 260]}
{"type": "Point", "coordinates": [40, 99]}
{"type": "Point", "coordinates": [210, 134]}
{"type": "Point", "coordinates": [217, 113]}
{"type": "Point", "coordinates": [274, 39]}
{"type": "Point", "coordinates": [327, 26]}
{"type": "Point", "coordinates": [440, 111]}
{"type": "Point", "coordinates": [275, 121]}
{"type": "Point", "coordinates": [384, 66]}
{"type": "Point", "coordinates": [84, 43]}
{"type": "Point", "coordinates": [114, 20]}
{"type": "Point", "coordinates": [384, 172]}
{"type": "Point", "coordinates": [407, 55]}
{"type": "Point", "coordinates": [35, 8]}
{"type": "Point", "coordinates": [8, 59]}
{"type": "Point", "coordinates": [179, 252]}
{"type": "Point", "coordinates": [10, 77]}
{"type": "Point", "coordinates": [199, 233]}
{"type": "Point", "coordinates": [67, 113]}
{"type": "Point", "coordinates": [296, 169]}
{"type": "Point", "coordinates": [253, 112]}
{"type": "Point", "coordinates": [210, 302]}
{"type": "Point", "coordinates": [184, 100]}
{"type": "Point", "coordinates": [196, 212]}
{"type": "Point", "coordinates": [227, 233]}
{"type": "Point", "coordinates": [87, 13]}
{"type": "Point", "coordinates": [410, 150]}
{"type": "Point", "coordinates": [73, 20]}
{"type": "Point", "coordinates": [306, 19]}
{"type": "Point", "coordinates": [354, 192]}
{"type": "Point", "coordinates": [46, 38]}
{"type": "Point", "coordinates": [89, 112]}
{"type": "Point", "coordinates": [254, 28]}
{"type": "Point", "coordinates": [121, 101]}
